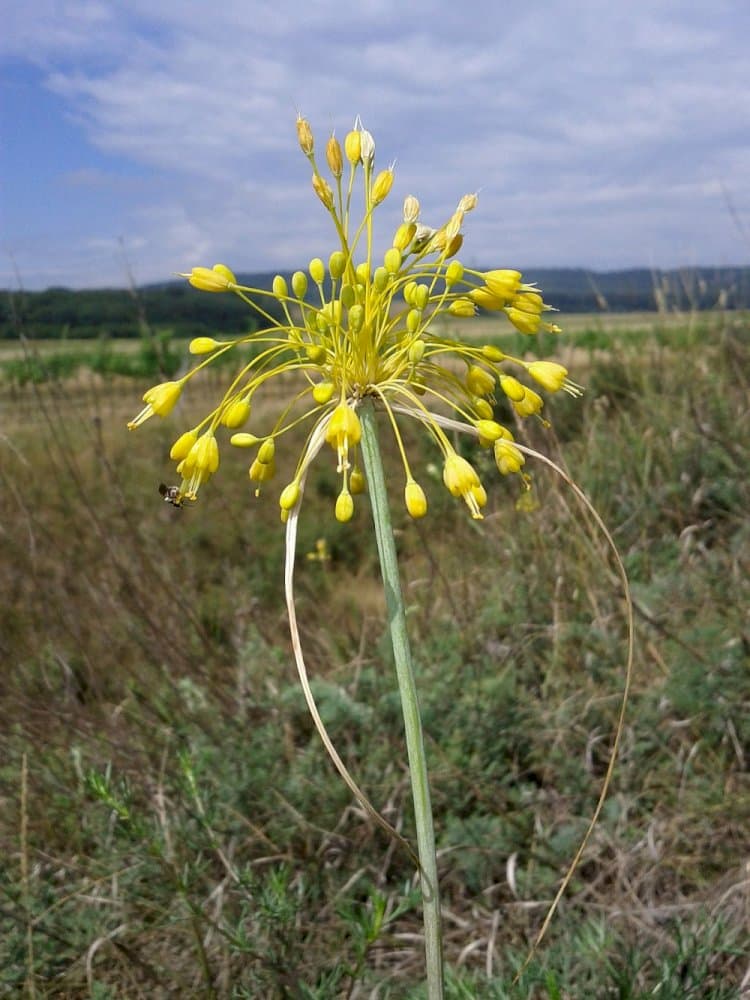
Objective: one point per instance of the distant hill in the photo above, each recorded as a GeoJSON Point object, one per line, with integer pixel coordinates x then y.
{"type": "Point", "coordinates": [174, 305]}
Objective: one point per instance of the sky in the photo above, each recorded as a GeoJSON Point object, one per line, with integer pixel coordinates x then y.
{"type": "Point", "coordinates": [140, 138]}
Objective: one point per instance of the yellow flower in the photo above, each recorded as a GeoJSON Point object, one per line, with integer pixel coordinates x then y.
{"type": "Point", "coordinates": [211, 279]}
{"type": "Point", "coordinates": [359, 329]}
{"type": "Point", "coordinates": [159, 400]}
{"type": "Point", "coordinates": [199, 465]}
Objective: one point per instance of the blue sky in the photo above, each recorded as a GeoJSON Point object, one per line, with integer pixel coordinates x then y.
{"type": "Point", "coordinates": [602, 135]}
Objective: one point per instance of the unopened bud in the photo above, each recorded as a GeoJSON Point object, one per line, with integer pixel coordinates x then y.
{"type": "Point", "coordinates": [353, 147]}
{"type": "Point", "coordinates": [333, 156]}
{"type": "Point", "coordinates": [317, 270]}
{"type": "Point", "coordinates": [461, 307]}
{"type": "Point", "coordinates": [344, 507]}
{"type": "Point", "coordinates": [411, 209]}
{"type": "Point", "coordinates": [304, 135]}
{"type": "Point", "coordinates": [380, 279]}
{"type": "Point", "coordinates": [416, 501]}
{"type": "Point", "coordinates": [299, 284]}
{"type": "Point", "coordinates": [203, 345]}
{"type": "Point", "coordinates": [323, 190]}
{"type": "Point", "coordinates": [323, 392]}
{"type": "Point", "coordinates": [382, 186]}
{"type": "Point", "coordinates": [236, 414]}
{"type": "Point", "coordinates": [454, 273]}
{"type": "Point", "coordinates": [336, 264]}
{"type": "Point", "coordinates": [267, 451]}
{"type": "Point", "coordinates": [392, 260]}
{"type": "Point", "coordinates": [289, 496]}
{"type": "Point", "coordinates": [367, 147]}
{"type": "Point", "coordinates": [468, 203]}
{"type": "Point", "coordinates": [479, 381]}
{"type": "Point", "coordinates": [404, 235]}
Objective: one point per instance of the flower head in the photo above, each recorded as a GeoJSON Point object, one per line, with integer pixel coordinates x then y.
{"type": "Point", "coordinates": [354, 327]}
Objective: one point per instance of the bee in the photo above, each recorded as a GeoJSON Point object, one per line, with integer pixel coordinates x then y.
{"type": "Point", "coordinates": [171, 494]}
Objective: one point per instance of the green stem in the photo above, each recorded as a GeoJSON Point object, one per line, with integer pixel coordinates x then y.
{"type": "Point", "coordinates": [373, 464]}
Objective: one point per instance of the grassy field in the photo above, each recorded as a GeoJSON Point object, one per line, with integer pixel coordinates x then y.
{"type": "Point", "coordinates": [171, 826]}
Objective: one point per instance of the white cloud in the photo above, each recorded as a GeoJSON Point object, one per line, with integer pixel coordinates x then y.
{"type": "Point", "coordinates": [561, 111]}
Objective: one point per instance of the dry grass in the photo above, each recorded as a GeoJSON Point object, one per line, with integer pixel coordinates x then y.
{"type": "Point", "coordinates": [170, 825]}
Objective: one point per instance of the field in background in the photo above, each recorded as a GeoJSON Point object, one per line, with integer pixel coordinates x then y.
{"type": "Point", "coordinates": [171, 826]}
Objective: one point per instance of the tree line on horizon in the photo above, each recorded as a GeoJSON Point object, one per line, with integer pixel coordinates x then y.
{"type": "Point", "coordinates": [185, 312]}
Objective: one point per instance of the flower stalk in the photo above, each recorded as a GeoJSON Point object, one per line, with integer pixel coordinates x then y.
{"type": "Point", "coordinates": [373, 466]}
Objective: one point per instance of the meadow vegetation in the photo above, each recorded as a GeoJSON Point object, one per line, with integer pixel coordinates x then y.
{"type": "Point", "coordinates": [170, 823]}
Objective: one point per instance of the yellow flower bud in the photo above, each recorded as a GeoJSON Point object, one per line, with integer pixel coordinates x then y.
{"type": "Point", "coordinates": [550, 375]}
{"type": "Point", "coordinates": [353, 147]}
{"type": "Point", "coordinates": [530, 302]}
{"type": "Point", "coordinates": [279, 287]}
{"type": "Point", "coordinates": [454, 272]}
{"type": "Point", "coordinates": [317, 270]}
{"type": "Point", "coordinates": [490, 430]}
{"type": "Point", "coordinates": [380, 279]}
{"type": "Point", "coordinates": [482, 408]}
{"type": "Point", "coordinates": [362, 272]}
{"type": "Point", "coordinates": [462, 307]}
{"type": "Point", "coordinates": [267, 451]}
{"type": "Point", "coordinates": [316, 353]}
{"type": "Point", "coordinates": [416, 352]}
{"type": "Point", "coordinates": [289, 496]}
{"type": "Point", "coordinates": [382, 186]}
{"type": "Point", "coordinates": [304, 135]}
{"type": "Point", "coordinates": [413, 319]}
{"type": "Point", "coordinates": [236, 413]}
{"type": "Point", "coordinates": [404, 235]}
{"type": "Point", "coordinates": [392, 260]}
{"type": "Point", "coordinates": [344, 507]}
{"type": "Point", "coordinates": [357, 480]}
{"type": "Point", "coordinates": [323, 190]}
{"type": "Point", "coordinates": [415, 499]}
{"type": "Point", "coordinates": [208, 280]}
{"type": "Point", "coordinates": [508, 458]}
{"type": "Point", "coordinates": [524, 322]}
{"type": "Point", "coordinates": [347, 296]}
{"type": "Point", "coordinates": [244, 440]}
{"type": "Point", "coordinates": [512, 388]}
{"type": "Point", "coordinates": [479, 381]}
{"type": "Point", "coordinates": [203, 345]}
{"type": "Point", "coordinates": [323, 392]}
{"type": "Point", "coordinates": [409, 289]}
{"type": "Point", "coordinates": [421, 296]}
{"type": "Point", "coordinates": [299, 284]}
{"type": "Point", "coordinates": [486, 299]}
{"type": "Point", "coordinates": [503, 283]}
{"type": "Point", "coordinates": [356, 318]}
{"type": "Point", "coordinates": [181, 448]}
{"type": "Point", "coordinates": [337, 264]}
{"type": "Point", "coordinates": [531, 403]}
{"type": "Point", "coordinates": [225, 272]}
{"type": "Point", "coordinates": [333, 157]}
{"type": "Point", "coordinates": [262, 472]}
{"type": "Point", "coordinates": [492, 353]}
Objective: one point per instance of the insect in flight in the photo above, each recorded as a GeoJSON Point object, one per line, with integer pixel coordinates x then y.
{"type": "Point", "coordinates": [171, 494]}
